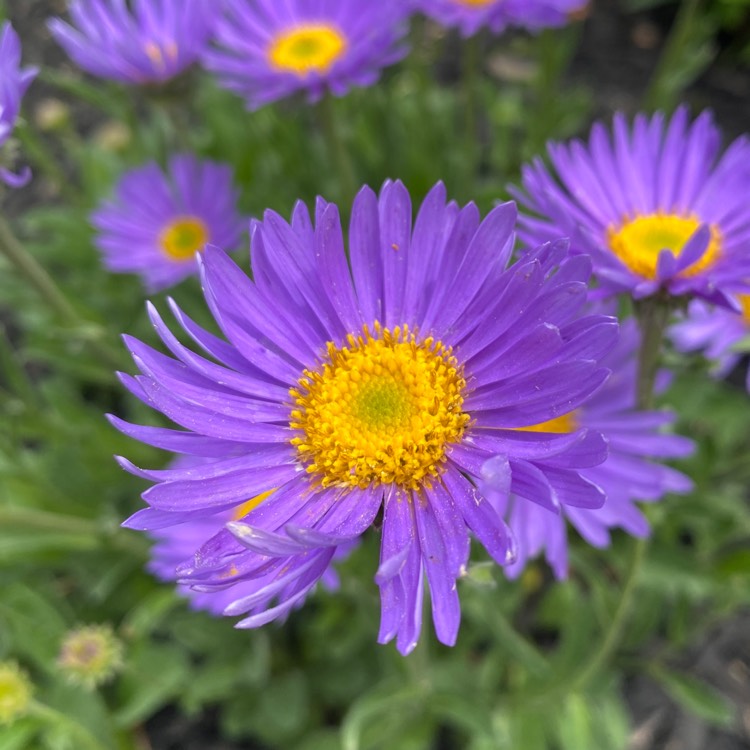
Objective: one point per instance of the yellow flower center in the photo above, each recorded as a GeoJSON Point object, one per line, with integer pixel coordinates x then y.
{"type": "Point", "coordinates": [638, 242]}
{"type": "Point", "coordinates": [381, 410]}
{"type": "Point", "coordinates": [566, 423]}
{"type": "Point", "coordinates": [476, 3]}
{"type": "Point", "coordinates": [308, 48]}
{"type": "Point", "coordinates": [183, 238]}
{"type": "Point", "coordinates": [745, 304]}
{"type": "Point", "coordinates": [242, 510]}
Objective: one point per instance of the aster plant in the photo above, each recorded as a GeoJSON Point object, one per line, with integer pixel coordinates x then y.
{"type": "Point", "coordinates": [632, 473]}
{"type": "Point", "coordinates": [470, 16]}
{"type": "Point", "coordinates": [655, 204]}
{"type": "Point", "coordinates": [158, 221]}
{"type": "Point", "coordinates": [393, 389]}
{"type": "Point", "coordinates": [15, 80]}
{"type": "Point", "coordinates": [140, 42]}
{"type": "Point", "coordinates": [267, 50]}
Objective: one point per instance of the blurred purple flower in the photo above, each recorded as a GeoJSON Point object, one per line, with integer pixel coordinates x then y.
{"type": "Point", "coordinates": [144, 41]}
{"type": "Point", "coordinates": [393, 385]}
{"type": "Point", "coordinates": [269, 50]}
{"type": "Point", "coordinates": [157, 223]}
{"type": "Point", "coordinates": [470, 16]}
{"type": "Point", "coordinates": [654, 205]}
{"type": "Point", "coordinates": [14, 81]}
{"type": "Point", "coordinates": [715, 332]}
{"type": "Point", "coordinates": [631, 473]}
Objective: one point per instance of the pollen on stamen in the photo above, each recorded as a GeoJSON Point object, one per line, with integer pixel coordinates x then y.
{"type": "Point", "coordinates": [381, 410]}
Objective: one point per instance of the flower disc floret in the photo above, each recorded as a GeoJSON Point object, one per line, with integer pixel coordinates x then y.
{"type": "Point", "coordinates": [15, 692]}
{"type": "Point", "coordinates": [308, 48]}
{"type": "Point", "coordinates": [382, 410]}
{"type": "Point", "coordinates": [182, 238]}
{"type": "Point", "coordinates": [639, 242]}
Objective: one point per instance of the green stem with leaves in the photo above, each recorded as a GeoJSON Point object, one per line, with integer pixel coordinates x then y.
{"type": "Point", "coordinates": [38, 278]}
{"type": "Point", "coordinates": [337, 149]}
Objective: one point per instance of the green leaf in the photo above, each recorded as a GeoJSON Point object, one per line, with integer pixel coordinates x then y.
{"type": "Point", "coordinates": [575, 729]}
{"type": "Point", "coordinates": [17, 736]}
{"type": "Point", "coordinates": [156, 674]}
{"type": "Point", "coordinates": [385, 700]}
{"type": "Point", "coordinates": [695, 696]}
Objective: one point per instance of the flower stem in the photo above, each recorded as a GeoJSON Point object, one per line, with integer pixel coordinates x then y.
{"type": "Point", "coordinates": [471, 77]}
{"type": "Point", "coordinates": [39, 279]}
{"type": "Point", "coordinates": [653, 314]}
{"type": "Point", "coordinates": [337, 149]}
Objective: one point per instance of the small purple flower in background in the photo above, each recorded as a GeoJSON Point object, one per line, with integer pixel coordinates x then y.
{"type": "Point", "coordinates": [470, 16]}
{"type": "Point", "coordinates": [654, 205]}
{"type": "Point", "coordinates": [145, 41]}
{"type": "Point", "coordinates": [13, 84]}
{"type": "Point", "coordinates": [631, 472]}
{"type": "Point", "coordinates": [716, 332]}
{"type": "Point", "coordinates": [269, 50]}
{"type": "Point", "coordinates": [393, 384]}
{"type": "Point", "coordinates": [157, 222]}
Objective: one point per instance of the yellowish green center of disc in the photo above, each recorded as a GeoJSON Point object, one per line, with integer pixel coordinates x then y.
{"type": "Point", "coordinates": [312, 48]}
{"type": "Point", "coordinates": [182, 238]}
{"type": "Point", "coordinates": [638, 242]}
{"type": "Point", "coordinates": [381, 410]}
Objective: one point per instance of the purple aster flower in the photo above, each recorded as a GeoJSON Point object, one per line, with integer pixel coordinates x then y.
{"type": "Point", "coordinates": [157, 222]}
{"type": "Point", "coordinates": [631, 473]}
{"type": "Point", "coordinates": [716, 332]}
{"type": "Point", "coordinates": [143, 41]}
{"type": "Point", "coordinates": [391, 384]}
{"type": "Point", "coordinates": [14, 81]}
{"type": "Point", "coordinates": [654, 205]}
{"type": "Point", "coordinates": [269, 50]}
{"type": "Point", "coordinates": [472, 15]}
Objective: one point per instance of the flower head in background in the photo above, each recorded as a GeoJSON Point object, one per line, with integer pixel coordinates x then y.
{"type": "Point", "coordinates": [393, 384]}
{"type": "Point", "coordinates": [470, 16]}
{"type": "Point", "coordinates": [14, 81]}
{"type": "Point", "coordinates": [141, 42]}
{"type": "Point", "coordinates": [632, 472]}
{"type": "Point", "coordinates": [157, 222]}
{"type": "Point", "coordinates": [268, 50]}
{"type": "Point", "coordinates": [654, 205]}
{"type": "Point", "coordinates": [716, 332]}
{"type": "Point", "coordinates": [16, 692]}
{"type": "Point", "coordinates": [91, 655]}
